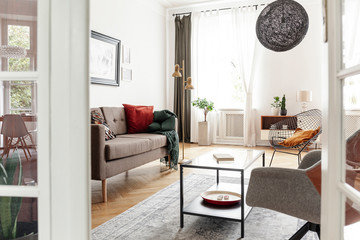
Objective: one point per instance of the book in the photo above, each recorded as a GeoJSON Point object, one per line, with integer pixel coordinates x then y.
{"type": "Point", "coordinates": [223, 157]}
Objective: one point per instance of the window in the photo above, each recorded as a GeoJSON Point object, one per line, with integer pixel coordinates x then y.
{"type": "Point", "coordinates": [218, 71]}
{"type": "Point", "coordinates": [352, 93]}
{"type": "Point", "coordinates": [20, 97]}
{"type": "Point", "coordinates": [21, 34]}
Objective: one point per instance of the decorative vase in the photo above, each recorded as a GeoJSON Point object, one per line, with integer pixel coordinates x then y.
{"type": "Point", "coordinates": [283, 112]}
{"type": "Point", "coordinates": [275, 111]}
{"type": "Point", "coordinates": [204, 134]}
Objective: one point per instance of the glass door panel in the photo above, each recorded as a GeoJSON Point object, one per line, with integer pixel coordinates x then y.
{"type": "Point", "coordinates": [352, 224]}
{"type": "Point", "coordinates": [351, 33]}
{"type": "Point", "coordinates": [26, 223]}
{"type": "Point", "coordinates": [18, 49]}
{"type": "Point", "coordinates": [18, 118]}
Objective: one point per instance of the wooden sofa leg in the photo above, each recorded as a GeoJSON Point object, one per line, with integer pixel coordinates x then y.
{"type": "Point", "coordinates": [104, 190]}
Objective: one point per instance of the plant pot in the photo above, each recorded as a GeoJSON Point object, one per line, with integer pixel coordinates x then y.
{"type": "Point", "coordinates": [204, 134]}
{"type": "Point", "coordinates": [31, 236]}
{"type": "Point", "coordinates": [27, 231]}
{"type": "Point", "coordinates": [283, 112]}
{"type": "Point", "coordinates": [275, 111]}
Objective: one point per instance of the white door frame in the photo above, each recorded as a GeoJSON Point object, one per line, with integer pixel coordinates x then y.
{"type": "Point", "coordinates": [63, 189]}
{"type": "Point", "coordinates": [69, 120]}
{"type": "Point", "coordinates": [334, 188]}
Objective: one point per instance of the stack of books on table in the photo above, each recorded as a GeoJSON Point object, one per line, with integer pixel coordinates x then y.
{"type": "Point", "coordinates": [223, 157]}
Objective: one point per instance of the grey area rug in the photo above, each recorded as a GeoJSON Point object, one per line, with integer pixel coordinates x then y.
{"type": "Point", "coordinates": [158, 217]}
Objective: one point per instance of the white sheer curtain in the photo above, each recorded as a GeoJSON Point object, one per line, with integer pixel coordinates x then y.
{"type": "Point", "coordinates": [223, 46]}
{"type": "Point", "coordinates": [244, 20]}
{"type": "Point", "coordinates": [204, 61]}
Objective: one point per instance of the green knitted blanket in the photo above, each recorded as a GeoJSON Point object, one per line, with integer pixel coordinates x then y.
{"type": "Point", "coordinates": [164, 123]}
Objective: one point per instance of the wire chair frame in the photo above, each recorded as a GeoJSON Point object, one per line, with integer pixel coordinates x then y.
{"type": "Point", "coordinates": [308, 120]}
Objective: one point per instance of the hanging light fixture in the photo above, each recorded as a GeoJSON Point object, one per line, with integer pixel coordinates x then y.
{"type": "Point", "coordinates": [12, 51]}
{"type": "Point", "coordinates": [282, 25]}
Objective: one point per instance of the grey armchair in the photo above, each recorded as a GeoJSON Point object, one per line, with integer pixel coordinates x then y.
{"type": "Point", "coordinates": [291, 191]}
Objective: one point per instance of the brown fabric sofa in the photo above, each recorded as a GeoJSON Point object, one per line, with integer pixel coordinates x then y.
{"type": "Point", "coordinates": [125, 152]}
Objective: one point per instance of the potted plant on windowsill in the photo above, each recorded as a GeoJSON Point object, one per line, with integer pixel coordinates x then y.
{"type": "Point", "coordinates": [10, 206]}
{"type": "Point", "coordinates": [275, 106]}
{"type": "Point", "coordinates": [204, 127]}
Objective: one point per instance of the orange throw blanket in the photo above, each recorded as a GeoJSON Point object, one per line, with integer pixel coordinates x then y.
{"type": "Point", "coordinates": [299, 136]}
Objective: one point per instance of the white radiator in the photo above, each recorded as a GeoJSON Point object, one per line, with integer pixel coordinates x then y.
{"type": "Point", "coordinates": [230, 126]}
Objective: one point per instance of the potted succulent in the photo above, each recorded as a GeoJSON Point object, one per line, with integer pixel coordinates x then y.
{"type": "Point", "coordinates": [275, 106]}
{"type": "Point", "coordinates": [283, 111]}
{"type": "Point", "coordinates": [10, 206]}
{"type": "Point", "coordinates": [204, 127]}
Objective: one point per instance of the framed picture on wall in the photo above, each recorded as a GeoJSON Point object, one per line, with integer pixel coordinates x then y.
{"type": "Point", "coordinates": [126, 74]}
{"type": "Point", "coordinates": [104, 59]}
{"type": "Point", "coordinates": [126, 55]}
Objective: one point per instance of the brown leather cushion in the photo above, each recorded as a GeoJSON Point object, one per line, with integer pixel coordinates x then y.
{"type": "Point", "coordinates": [299, 137]}
{"type": "Point", "coordinates": [314, 174]}
{"type": "Point", "coordinates": [115, 118]}
{"type": "Point", "coordinates": [353, 179]}
{"type": "Point", "coordinates": [353, 149]}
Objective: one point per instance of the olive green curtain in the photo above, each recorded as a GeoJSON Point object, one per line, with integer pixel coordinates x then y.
{"type": "Point", "coordinates": [183, 52]}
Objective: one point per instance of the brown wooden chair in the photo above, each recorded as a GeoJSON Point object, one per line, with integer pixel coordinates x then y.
{"type": "Point", "coordinates": [15, 132]}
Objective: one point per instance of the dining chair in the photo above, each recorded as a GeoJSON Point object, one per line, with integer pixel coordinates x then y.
{"type": "Point", "coordinates": [15, 132]}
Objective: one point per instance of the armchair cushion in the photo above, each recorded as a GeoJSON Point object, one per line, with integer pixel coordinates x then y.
{"type": "Point", "coordinates": [288, 191]}
{"type": "Point", "coordinates": [299, 137]}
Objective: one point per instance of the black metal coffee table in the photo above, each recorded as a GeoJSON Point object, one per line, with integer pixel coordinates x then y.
{"type": "Point", "coordinates": [198, 207]}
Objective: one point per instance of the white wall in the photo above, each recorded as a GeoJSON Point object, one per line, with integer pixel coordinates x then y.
{"type": "Point", "coordinates": [276, 73]}
{"type": "Point", "coordinates": [286, 72]}
{"type": "Point", "coordinates": [140, 25]}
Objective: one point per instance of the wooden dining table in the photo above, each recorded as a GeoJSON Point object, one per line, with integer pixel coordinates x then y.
{"type": "Point", "coordinates": [26, 118]}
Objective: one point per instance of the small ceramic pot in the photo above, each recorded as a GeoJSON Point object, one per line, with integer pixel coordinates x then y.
{"type": "Point", "coordinates": [283, 112]}
{"type": "Point", "coordinates": [275, 111]}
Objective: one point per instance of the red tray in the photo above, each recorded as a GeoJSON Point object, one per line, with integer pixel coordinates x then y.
{"type": "Point", "coordinates": [211, 197]}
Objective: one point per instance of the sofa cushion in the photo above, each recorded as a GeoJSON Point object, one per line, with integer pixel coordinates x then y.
{"type": "Point", "coordinates": [123, 147]}
{"type": "Point", "coordinates": [115, 118]}
{"type": "Point", "coordinates": [138, 118]}
{"type": "Point", "coordinates": [156, 140]}
{"type": "Point", "coordinates": [98, 118]}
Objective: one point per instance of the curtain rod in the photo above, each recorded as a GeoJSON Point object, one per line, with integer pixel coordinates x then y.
{"type": "Point", "coordinates": [220, 9]}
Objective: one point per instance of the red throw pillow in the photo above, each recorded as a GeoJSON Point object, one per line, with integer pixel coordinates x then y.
{"type": "Point", "coordinates": [138, 118]}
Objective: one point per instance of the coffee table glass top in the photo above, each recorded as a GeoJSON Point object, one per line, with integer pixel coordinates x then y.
{"type": "Point", "coordinates": [243, 158]}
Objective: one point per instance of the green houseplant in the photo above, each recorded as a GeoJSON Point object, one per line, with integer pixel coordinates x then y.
{"type": "Point", "coordinates": [204, 104]}
{"type": "Point", "coordinates": [275, 106]}
{"type": "Point", "coordinates": [283, 111]}
{"type": "Point", "coordinates": [10, 206]}
{"type": "Point", "coordinates": [204, 127]}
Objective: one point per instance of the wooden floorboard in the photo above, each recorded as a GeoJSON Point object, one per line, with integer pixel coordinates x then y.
{"type": "Point", "coordinates": [128, 189]}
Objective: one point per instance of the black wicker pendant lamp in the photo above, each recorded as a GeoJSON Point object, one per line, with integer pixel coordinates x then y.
{"type": "Point", "coordinates": [282, 25]}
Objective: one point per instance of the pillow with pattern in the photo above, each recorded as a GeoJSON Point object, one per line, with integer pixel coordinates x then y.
{"type": "Point", "coordinates": [98, 118]}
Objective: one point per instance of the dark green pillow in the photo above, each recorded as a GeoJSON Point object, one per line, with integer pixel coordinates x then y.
{"type": "Point", "coordinates": [168, 124]}
{"type": "Point", "coordinates": [160, 116]}
{"type": "Point", "coordinates": [153, 127]}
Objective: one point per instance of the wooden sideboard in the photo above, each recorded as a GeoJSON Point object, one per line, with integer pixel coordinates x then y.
{"type": "Point", "coordinates": [267, 121]}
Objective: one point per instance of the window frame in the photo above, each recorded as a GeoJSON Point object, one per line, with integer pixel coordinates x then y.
{"type": "Point", "coordinates": [7, 96]}
{"type": "Point", "coordinates": [30, 53]}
